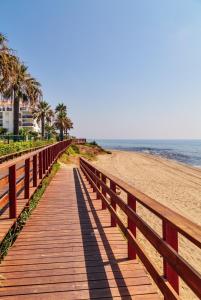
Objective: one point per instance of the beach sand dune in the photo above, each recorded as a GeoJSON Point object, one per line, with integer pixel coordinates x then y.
{"type": "Point", "coordinates": [175, 185]}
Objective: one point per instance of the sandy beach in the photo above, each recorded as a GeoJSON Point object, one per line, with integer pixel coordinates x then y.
{"type": "Point", "coordinates": [175, 185]}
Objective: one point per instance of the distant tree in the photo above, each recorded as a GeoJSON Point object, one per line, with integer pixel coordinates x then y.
{"type": "Point", "coordinates": [68, 126]}
{"type": "Point", "coordinates": [43, 113]}
{"type": "Point", "coordinates": [24, 131]}
{"type": "Point", "coordinates": [61, 107]}
{"type": "Point", "coordinates": [50, 130]}
{"type": "Point", "coordinates": [61, 123]}
{"type": "Point", "coordinates": [3, 130]}
{"type": "Point", "coordinates": [34, 134]}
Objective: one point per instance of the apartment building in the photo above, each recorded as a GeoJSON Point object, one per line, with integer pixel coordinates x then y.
{"type": "Point", "coordinates": [25, 116]}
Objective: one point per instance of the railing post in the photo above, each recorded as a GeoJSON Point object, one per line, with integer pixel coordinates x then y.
{"type": "Point", "coordinates": [56, 150]}
{"type": "Point", "coordinates": [113, 203]}
{"type": "Point", "coordinates": [48, 158]}
{"type": "Point", "coordinates": [53, 153]}
{"type": "Point", "coordinates": [170, 235]}
{"type": "Point", "coordinates": [27, 178]}
{"type": "Point", "coordinates": [97, 183]}
{"type": "Point", "coordinates": [50, 155]}
{"type": "Point", "coordinates": [43, 160]}
{"type": "Point", "coordinates": [103, 178]}
{"type": "Point", "coordinates": [131, 226]}
{"type": "Point", "coordinates": [12, 192]}
{"type": "Point", "coordinates": [35, 170]}
{"type": "Point", "coordinates": [40, 165]}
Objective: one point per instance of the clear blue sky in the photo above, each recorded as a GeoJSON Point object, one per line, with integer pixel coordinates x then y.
{"type": "Point", "coordinates": [125, 69]}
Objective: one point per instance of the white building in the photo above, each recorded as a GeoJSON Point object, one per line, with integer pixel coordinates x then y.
{"type": "Point", "coordinates": [25, 117]}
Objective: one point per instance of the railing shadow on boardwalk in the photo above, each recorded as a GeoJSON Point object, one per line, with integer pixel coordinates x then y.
{"type": "Point", "coordinates": [84, 215]}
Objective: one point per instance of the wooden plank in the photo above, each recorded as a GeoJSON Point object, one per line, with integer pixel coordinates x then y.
{"type": "Point", "coordinates": [64, 251]}
{"type": "Point", "coordinates": [178, 265]}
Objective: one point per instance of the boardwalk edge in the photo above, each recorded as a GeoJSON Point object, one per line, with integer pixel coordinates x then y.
{"type": "Point", "coordinates": [17, 226]}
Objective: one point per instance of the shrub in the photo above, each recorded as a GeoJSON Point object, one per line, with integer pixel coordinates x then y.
{"type": "Point", "coordinates": [75, 149]}
{"type": "Point", "coordinates": [20, 146]}
{"type": "Point", "coordinates": [93, 143]}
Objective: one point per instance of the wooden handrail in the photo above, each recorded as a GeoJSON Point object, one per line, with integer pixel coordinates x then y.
{"type": "Point", "coordinates": [27, 169]}
{"type": "Point", "coordinates": [174, 264]}
{"type": "Point", "coordinates": [79, 141]}
{"type": "Point", "coordinates": [183, 225]}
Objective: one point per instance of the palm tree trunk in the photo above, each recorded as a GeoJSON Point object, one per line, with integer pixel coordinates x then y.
{"type": "Point", "coordinates": [16, 108]}
{"type": "Point", "coordinates": [42, 126]}
{"type": "Point", "coordinates": [61, 134]}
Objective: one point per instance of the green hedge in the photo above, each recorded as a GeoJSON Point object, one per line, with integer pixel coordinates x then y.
{"type": "Point", "coordinates": [20, 146]}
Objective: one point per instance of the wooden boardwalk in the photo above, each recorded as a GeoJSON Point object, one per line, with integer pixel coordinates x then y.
{"type": "Point", "coordinates": [67, 250]}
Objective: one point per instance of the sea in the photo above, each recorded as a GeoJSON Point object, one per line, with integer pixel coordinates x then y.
{"type": "Point", "coordinates": [184, 151]}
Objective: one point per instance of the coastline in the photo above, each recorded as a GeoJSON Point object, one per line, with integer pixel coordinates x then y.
{"type": "Point", "coordinates": [183, 151]}
{"type": "Point", "coordinates": [175, 185]}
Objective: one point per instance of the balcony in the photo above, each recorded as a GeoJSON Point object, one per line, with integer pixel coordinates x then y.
{"type": "Point", "coordinates": [26, 124]}
{"type": "Point", "coordinates": [27, 116]}
{"type": "Point", "coordinates": [23, 108]}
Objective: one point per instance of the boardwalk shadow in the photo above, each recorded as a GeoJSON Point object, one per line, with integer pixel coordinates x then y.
{"type": "Point", "coordinates": [95, 266]}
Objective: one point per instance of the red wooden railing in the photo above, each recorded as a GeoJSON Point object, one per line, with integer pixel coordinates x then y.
{"type": "Point", "coordinates": [25, 174]}
{"type": "Point", "coordinates": [79, 141]}
{"type": "Point", "coordinates": [175, 266]}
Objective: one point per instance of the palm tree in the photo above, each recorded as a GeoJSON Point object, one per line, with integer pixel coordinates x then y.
{"type": "Point", "coordinates": [69, 125]}
{"type": "Point", "coordinates": [22, 88]}
{"type": "Point", "coordinates": [61, 107]}
{"type": "Point", "coordinates": [33, 91]}
{"type": "Point", "coordinates": [61, 123]}
{"type": "Point", "coordinates": [43, 113]}
{"type": "Point", "coordinates": [15, 82]}
{"type": "Point", "coordinates": [5, 63]}
{"type": "Point", "coordinates": [3, 42]}
{"type": "Point", "coordinates": [9, 64]}
{"type": "Point", "coordinates": [50, 130]}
